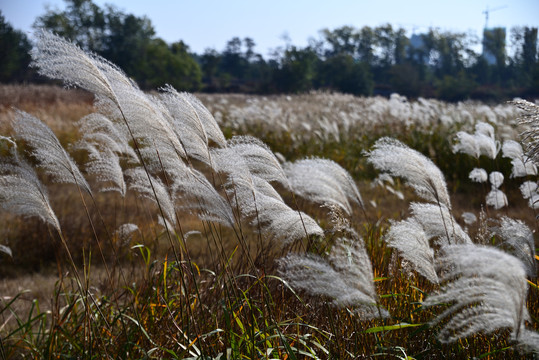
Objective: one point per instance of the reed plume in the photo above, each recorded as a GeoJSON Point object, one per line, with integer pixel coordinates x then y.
{"type": "Point", "coordinates": [483, 298]}
{"type": "Point", "coordinates": [345, 277]}
{"type": "Point", "coordinates": [421, 174]}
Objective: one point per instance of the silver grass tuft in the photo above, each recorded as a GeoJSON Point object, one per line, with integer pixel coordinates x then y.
{"type": "Point", "coordinates": [530, 137]}
{"type": "Point", "coordinates": [512, 149]}
{"type": "Point", "coordinates": [486, 143]}
{"type": "Point", "coordinates": [22, 193]}
{"type": "Point", "coordinates": [100, 130]}
{"type": "Point", "coordinates": [257, 201]}
{"type": "Point", "coordinates": [411, 241]}
{"type": "Point", "coordinates": [116, 94]}
{"type": "Point", "coordinates": [478, 175]}
{"type": "Point", "coordinates": [125, 232]}
{"type": "Point", "coordinates": [439, 223]}
{"type": "Point", "coordinates": [482, 142]}
{"type": "Point", "coordinates": [48, 151]}
{"type": "Point", "coordinates": [323, 181]}
{"type": "Point", "coordinates": [469, 218]}
{"type": "Point", "coordinates": [153, 189]}
{"type": "Point", "coordinates": [519, 238]}
{"type": "Point", "coordinates": [105, 165]}
{"type": "Point", "coordinates": [466, 144]}
{"type": "Point", "coordinates": [528, 341]}
{"type": "Point", "coordinates": [346, 277]}
{"type": "Point", "coordinates": [57, 58]}
{"type": "Point", "coordinates": [496, 179]}
{"type": "Point", "coordinates": [187, 124]}
{"type": "Point", "coordinates": [192, 116]}
{"type": "Point", "coordinates": [484, 299]}
{"type": "Point", "coordinates": [192, 191]}
{"type": "Point", "coordinates": [397, 159]}
{"type": "Point", "coordinates": [528, 189]}
{"type": "Point", "coordinates": [496, 198]}
{"type": "Point", "coordinates": [258, 158]}
{"type": "Point", "coordinates": [522, 165]}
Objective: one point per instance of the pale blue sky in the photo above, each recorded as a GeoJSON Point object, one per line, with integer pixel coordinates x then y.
{"type": "Point", "coordinates": [211, 23]}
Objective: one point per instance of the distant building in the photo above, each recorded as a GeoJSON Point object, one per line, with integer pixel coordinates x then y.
{"type": "Point", "coordinates": [417, 50]}
{"type": "Point", "coordinates": [494, 45]}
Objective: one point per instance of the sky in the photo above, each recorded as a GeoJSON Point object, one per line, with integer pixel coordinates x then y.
{"type": "Point", "coordinates": [203, 24]}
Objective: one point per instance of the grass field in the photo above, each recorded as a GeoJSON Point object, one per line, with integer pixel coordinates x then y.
{"type": "Point", "coordinates": [210, 244]}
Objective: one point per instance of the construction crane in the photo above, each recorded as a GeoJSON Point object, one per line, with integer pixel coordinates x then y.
{"type": "Point", "coordinates": [487, 11]}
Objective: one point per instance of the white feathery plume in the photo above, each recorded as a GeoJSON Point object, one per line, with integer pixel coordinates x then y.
{"type": "Point", "coordinates": [488, 146]}
{"type": "Point", "coordinates": [323, 181]}
{"type": "Point", "coordinates": [192, 191]}
{"type": "Point", "coordinates": [496, 198]}
{"type": "Point", "coordinates": [105, 165]}
{"type": "Point", "coordinates": [245, 189]}
{"type": "Point", "coordinates": [483, 128]}
{"type": "Point", "coordinates": [496, 179]}
{"type": "Point", "coordinates": [439, 223]}
{"type": "Point", "coordinates": [528, 189]}
{"type": "Point", "coordinates": [125, 232]}
{"type": "Point", "coordinates": [530, 118]}
{"type": "Point", "coordinates": [410, 240]}
{"type": "Point", "coordinates": [268, 211]}
{"type": "Point", "coordinates": [48, 151]}
{"type": "Point", "coordinates": [484, 298]}
{"type": "Point", "coordinates": [186, 124]}
{"type": "Point", "coordinates": [188, 109]}
{"type": "Point", "coordinates": [22, 193]}
{"type": "Point", "coordinates": [57, 58]}
{"type": "Point", "coordinates": [117, 95]}
{"type": "Point", "coordinates": [522, 165]}
{"type": "Point", "coordinates": [149, 122]}
{"type": "Point", "coordinates": [484, 138]}
{"type": "Point", "coordinates": [213, 130]}
{"type": "Point", "coordinates": [99, 129]}
{"type": "Point", "coordinates": [519, 237]}
{"type": "Point", "coordinates": [469, 218]}
{"type": "Point", "coordinates": [255, 197]}
{"type": "Point", "coordinates": [478, 175]}
{"type": "Point", "coordinates": [153, 189]}
{"type": "Point", "coordinates": [397, 159]}
{"type": "Point", "coordinates": [346, 277]}
{"type": "Point", "coordinates": [512, 149]}
{"type": "Point", "coordinates": [258, 158]}
{"type": "Point", "coordinates": [466, 144]}
{"type": "Point", "coordinates": [528, 341]}
{"type": "Point", "coordinates": [482, 142]}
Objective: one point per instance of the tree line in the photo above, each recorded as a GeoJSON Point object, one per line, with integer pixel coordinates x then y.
{"type": "Point", "coordinates": [361, 61]}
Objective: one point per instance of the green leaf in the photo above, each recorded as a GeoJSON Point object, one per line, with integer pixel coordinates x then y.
{"type": "Point", "coordinates": [378, 329]}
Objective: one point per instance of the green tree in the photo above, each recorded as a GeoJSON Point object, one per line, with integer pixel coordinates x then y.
{"type": "Point", "coordinates": [366, 45]}
{"type": "Point", "coordinates": [342, 40]}
{"type": "Point", "coordinates": [14, 48]}
{"type": "Point", "coordinates": [170, 65]}
{"type": "Point", "coordinates": [82, 22]}
{"type": "Point", "coordinates": [495, 54]}
{"type": "Point", "coordinates": [297, 70]}
{"type": "Point", "coordinates": [126, 40]}
{"type": "Point", "coordinates": [209, 62]}
{"type": "Point", "coordinates": [525, 60]}
{"type": "Point", "coordinates": [342, 73]}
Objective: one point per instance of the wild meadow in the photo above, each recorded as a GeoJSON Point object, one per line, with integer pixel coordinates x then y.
{"type": "Point", "coordinates": [323, 226]}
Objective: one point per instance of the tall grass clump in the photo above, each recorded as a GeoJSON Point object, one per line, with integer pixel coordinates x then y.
{"type": "Point", "coordinates": [178, 234]}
